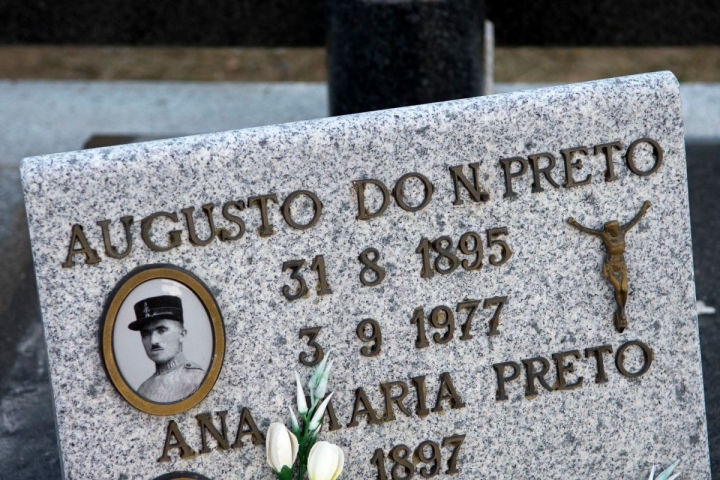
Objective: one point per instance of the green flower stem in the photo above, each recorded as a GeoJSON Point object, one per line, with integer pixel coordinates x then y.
{"type": "Point", "coordinates": [305, 443]}
{"type": "Point", "coordinates": [284, 474]}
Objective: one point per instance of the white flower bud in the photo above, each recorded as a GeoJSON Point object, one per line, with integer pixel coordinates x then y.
{"type": "Point", "coordinates": [322, 382]}
{"type": "Point", "coordinates": [316, 420]}
{"type": "Point", "coordinates": [315, 377]}
{"type": "Point", "coordinates": [281, 447]}
{"type": "Point", "coordinates": [294, 426]}
{"type": "Point", "coordinates": [301, 402]}
{"type": "Point", "coordinates": [325, 462]}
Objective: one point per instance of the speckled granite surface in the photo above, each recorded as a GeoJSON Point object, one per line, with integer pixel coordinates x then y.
{"type": "Point", "coordinates": [558, 299]}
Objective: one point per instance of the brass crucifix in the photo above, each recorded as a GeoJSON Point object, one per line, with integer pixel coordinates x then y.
{"type": "Point", "coordinates": [614, 268]}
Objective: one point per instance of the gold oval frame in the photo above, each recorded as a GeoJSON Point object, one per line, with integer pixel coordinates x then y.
{"type": "Point", "coordinates": [126, 285]}
{"type": "Point", "coordinates": [182, 476]}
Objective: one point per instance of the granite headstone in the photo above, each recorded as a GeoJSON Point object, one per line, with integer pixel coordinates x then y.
{"type": "Point", "coordinates": [517, 344]}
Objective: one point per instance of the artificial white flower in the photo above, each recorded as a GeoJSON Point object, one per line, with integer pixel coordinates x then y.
{"type": "Point", "coordinates": [317, 373]}
{"type": "Point", "coordinates": [294, 425]}
{"type": "Point", "coordinates": [281, 447]}
{"type": "Point", "coordinates": [301, 402]}
{"type": "Point", "coordinates": [315, 380]}
{"type": "Point", "coordinates": [325, 461]}
{"type": "Point", "coordinates": [317, 417]}
{"type": "Point", "coordinates": [666, 474]}
{"type": "Point", "coordinates": [323, 381]}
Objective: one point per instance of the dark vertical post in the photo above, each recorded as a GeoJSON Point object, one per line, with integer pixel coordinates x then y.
{"type": "Point", "coordinates": [396, 53]}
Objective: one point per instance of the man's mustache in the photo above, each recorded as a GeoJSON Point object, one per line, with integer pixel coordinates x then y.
{"type": "Point", "coordinates": [157, 347]}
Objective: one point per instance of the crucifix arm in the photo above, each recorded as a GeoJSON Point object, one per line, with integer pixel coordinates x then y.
{"type": "Point", "coordinates": [637, 218]}
{"type": "Point", "coordinates": [582, 228]}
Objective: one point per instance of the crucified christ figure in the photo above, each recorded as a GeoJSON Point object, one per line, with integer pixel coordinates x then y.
{"type": "Point", "coordinates": [614, 268]}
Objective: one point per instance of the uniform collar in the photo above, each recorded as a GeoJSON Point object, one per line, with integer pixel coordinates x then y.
{"type": "Point", "coordinates": [177, 361]}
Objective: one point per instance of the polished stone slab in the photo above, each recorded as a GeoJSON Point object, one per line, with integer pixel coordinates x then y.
{"type": "Point", "coordinates": [552, 281]}
{"type": "Point", "coordinates": [36, 122]}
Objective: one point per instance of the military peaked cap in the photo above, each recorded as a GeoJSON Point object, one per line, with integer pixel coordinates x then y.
{"type": "Point", "coordinates": [164, 307]}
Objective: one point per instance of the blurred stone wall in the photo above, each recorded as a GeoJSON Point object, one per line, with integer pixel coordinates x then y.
{"type": "Point", "coordinates": [521, 64]}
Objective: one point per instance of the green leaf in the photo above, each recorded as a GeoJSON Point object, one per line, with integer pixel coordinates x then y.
{"type": "Point", "coordinates": [285, 474]}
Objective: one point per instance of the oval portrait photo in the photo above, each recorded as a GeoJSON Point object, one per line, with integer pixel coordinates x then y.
{"type": "Point", "coordinates": [163, 339]}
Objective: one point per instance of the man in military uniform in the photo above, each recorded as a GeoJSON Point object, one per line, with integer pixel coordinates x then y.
{"type": "Point", "coordinates": [160, 323]}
